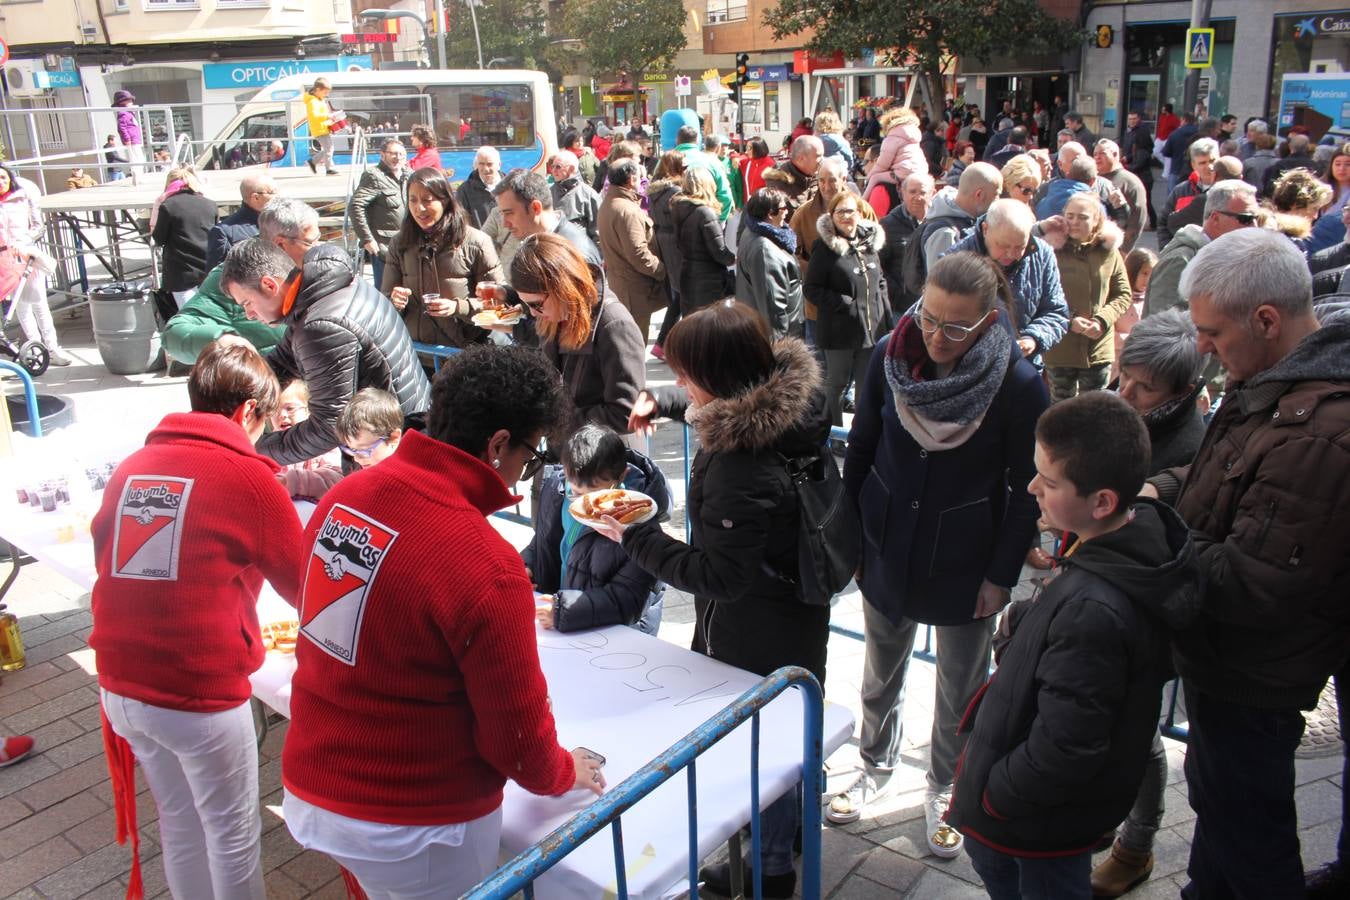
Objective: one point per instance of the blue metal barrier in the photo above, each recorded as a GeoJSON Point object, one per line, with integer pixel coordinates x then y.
{"type": "Point", "coordinates": [519, 874]}
{"type": "Point", "coordinates": [29, 394]}
{"type": "Point", "coordinates": [437, 352]}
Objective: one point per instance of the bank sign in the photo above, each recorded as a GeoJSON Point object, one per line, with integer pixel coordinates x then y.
{"type": "Point", "coordinates": [1318, 25]}
{"type": "Point", "coordinates": [260, 73]}
{"type": "Point", "coordinates": [1327, 93]}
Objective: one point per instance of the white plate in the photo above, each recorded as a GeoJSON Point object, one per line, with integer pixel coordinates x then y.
{"type": "Point", "coordinates": [575, 508]}
{"type": "Point", "coordinates": [488, 317]}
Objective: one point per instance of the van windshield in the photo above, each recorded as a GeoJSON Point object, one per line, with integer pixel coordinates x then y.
{"type": "Point", "coordinates": [260, 138]}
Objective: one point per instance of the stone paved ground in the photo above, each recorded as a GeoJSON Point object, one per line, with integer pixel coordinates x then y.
{"type": "Point", "coordinates": [56, 822]}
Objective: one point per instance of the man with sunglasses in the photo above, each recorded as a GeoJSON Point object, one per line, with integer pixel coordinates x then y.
{"type": "Point", "coordinates": [1229, 205]}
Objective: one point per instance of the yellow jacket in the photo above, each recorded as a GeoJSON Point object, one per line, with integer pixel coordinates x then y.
{"type": "Point", "coordinates": [318, 114]}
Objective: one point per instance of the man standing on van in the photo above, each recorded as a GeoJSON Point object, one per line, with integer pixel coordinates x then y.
{"type": "Point", "coordinates": [378, 203]}
{"type": "Point", "coordinates": [320, 118]}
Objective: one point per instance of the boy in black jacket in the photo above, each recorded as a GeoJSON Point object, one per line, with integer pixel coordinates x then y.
{"type": "Point", "coordinates": [1062, 730]}
{"type": "Point", "coordinates": [584, 579]}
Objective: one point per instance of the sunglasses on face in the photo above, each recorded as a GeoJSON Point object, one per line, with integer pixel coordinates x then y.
{"type": "Point", "coordinates": [1240, 218]}
{"type": "Point", "coordinates": [537, 461]}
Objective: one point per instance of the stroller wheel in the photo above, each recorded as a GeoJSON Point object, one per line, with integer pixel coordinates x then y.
{"type": "Point", "coordinates": [34, 357]}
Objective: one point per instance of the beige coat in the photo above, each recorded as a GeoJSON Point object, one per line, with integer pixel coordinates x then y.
{"type": "Point", "coordinates": [1095, 286]}
{"type": "Point", "coordinates": [628, 245]}
{"type": "Point", "coordinates": [452, 272]}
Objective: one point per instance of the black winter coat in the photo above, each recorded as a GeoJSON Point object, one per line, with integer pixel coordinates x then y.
{"type": "Point", "coordinates": [659, 197]}
{"type": "Point", "coordinates": [181, 228]}
{"type": "Point", "coordinates": [744, 516]}
{"type": "Point", "coordinates": [704, 255]}
{"type": "Point", "coordinates": [899, 226]}
{"type": "Point", "coordinates": [605, 375]}
{"type": "Point", "coordinates": [844, 280]}
{"type": "Point", "coordinates": [477, 200]}
{"type": "Point", "coordinates": [601, 586]}
{"type": "Point", "coordinates": [235, 228]}
{"type": "Point", "coordinates": [1060, 734]}
{"type": "Point", "coordinates": [937, 524]}
{"type": "Point", "coordinates": [342, 335]}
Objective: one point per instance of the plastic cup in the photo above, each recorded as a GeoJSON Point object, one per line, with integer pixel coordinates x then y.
{"type": "Point", "coordinates": [47, 497]}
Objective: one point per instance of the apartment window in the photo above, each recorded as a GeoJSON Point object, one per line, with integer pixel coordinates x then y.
{"type": "Point", "coordinates": [153, 5]}
{"type": "Point", "coordinates": [726, 11]}
{"type": "Point", "coordinates": [50, 127]}
{"type": "Point", "coordinates": [120, 5]}
{"type": "Point", "coordinates": [242, 4]}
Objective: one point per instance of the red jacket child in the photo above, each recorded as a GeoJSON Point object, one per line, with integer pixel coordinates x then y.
{"type": "Point", "coordinates": [190, 526]}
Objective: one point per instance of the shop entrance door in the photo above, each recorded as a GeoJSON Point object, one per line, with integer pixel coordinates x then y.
{"type": "Point", "coordinates": [1142, 98]}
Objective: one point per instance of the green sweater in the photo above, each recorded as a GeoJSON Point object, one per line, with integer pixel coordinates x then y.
{"type": "Point", "coordinates": [694, 158]}
{"type": "Point", "coordinates": [209, 314]}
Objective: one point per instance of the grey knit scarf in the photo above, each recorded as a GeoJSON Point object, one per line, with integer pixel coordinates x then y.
{"type": "Point", "coordinates": [942, 413]}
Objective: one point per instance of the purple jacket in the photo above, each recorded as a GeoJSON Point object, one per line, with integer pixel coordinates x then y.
{"type": "Point", "coordinates": [128, 127]}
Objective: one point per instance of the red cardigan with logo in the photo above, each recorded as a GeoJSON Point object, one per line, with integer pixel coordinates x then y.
{"type": "Point", "coordinates": [418, 690]}
{"type": "Point", "coordinates": [190, 526]}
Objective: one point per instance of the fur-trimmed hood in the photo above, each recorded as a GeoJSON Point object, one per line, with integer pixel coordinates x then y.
{"type": "Point", "coordinates": [871, 238]}
{"type": "Point", "coordinates": [765, 415]}
{"type": "Point", "coordinates": [787, 176]}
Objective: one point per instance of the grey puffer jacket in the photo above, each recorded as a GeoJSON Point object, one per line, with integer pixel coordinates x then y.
{"type": "Point", "coordinates": [342, 335]}
{"type": "Point", "coordinates": [578, 203]}
{"type": "Point", "coordinates": [377, 205]}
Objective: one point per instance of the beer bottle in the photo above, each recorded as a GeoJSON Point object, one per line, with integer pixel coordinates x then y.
{"type": "Point", "coordinates": [11, 642]}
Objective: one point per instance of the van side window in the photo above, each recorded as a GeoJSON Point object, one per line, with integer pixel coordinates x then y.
{"type": "Point", "coordinates": [258, 140]}
{"type": "Point", "coordinates": [499, 115]}
{"type": "Point", "coordinates": [392, 110]}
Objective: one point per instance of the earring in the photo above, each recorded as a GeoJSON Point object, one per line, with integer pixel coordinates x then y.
{"type": "Point", "coordinates": [496, 464]}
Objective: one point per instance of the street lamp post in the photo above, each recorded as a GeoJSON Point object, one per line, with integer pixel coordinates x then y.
{"type": "Point", "coordinates": [473, 15]}
{"type": "Point", "coordinates": [381, 15]}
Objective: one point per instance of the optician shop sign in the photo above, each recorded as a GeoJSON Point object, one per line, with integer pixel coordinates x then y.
{"type": "Point", "coordinates": [261, 73]}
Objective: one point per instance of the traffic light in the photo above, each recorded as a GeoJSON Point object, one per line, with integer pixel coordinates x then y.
{"type": "Point", "coordinates": [742, 68]}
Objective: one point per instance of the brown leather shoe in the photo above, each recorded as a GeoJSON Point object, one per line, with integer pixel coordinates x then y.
{"type": "Point", "coordinates": [1121, 872]}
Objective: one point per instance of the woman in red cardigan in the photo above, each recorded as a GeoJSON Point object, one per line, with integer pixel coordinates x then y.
{"type": "Point", "coordinates": [418, 691]}
{"type": "Point", "coordinates": [753, 166]}
{"type": "Point", "coordinates": [190, 526]}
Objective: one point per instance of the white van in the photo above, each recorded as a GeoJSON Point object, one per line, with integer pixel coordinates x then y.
{"type": "Point", "coordinates": [511, 110]}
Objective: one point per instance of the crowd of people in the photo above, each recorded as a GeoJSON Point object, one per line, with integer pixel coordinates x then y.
{"type": "Point", "coordinates": [1013, 364]}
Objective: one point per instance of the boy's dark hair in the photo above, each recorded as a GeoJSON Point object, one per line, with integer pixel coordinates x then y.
{"type": "Point", "coordinates": [594, 455]}
{"type": "Point", "coordinates": [371, 409]}
{"type": "Point", "coordinates": [1101, 443]}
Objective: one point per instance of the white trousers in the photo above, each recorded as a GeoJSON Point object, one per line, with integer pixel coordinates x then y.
{"type": "Point", "coordinates": [32, 311]}
{"type": "Point", "coordinates": [203, 772]}
{"type": "Point", "coordinates": [436, 872]}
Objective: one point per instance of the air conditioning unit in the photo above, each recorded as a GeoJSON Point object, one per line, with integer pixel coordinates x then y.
{"type": "Point", "coordinates": [89, 31]}
{"type": "Point", "coordinates": [21, 78]}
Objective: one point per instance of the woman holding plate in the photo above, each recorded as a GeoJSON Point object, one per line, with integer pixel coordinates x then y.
{"type": "Point", "coordinates": [753, 403]}
{"type": "Point", "coordinates": [583, 329]}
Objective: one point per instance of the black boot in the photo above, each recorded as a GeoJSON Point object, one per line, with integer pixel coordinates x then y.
{"type": "Point", "coordinates": [718, 880]}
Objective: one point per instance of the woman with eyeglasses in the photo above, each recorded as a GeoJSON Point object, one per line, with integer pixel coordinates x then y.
{"type": "Point", "coordinates": [583, 330]}
{"type": "Point", "coordinates": [1021, 178]}
{"type": "Point", "coordinates": [752, 403]}
{"type": "Point", "coordinates": [939, 459]}
{"type": "Point", "coordinates": [417, 692]}
{"type": "Point", "coordinates": [1097, 290]}
{"type": "Point", "coordinates": [435, 263]}
{"type": "Point", "coordinates": [768, 279]}
{"type": "Point", "coordinates": [845, 282]}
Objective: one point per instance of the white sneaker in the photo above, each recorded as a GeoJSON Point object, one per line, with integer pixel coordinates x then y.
{"type": "Point", "coordinates": [848, 806]}
{"type": "Point", "coordinates": [58, 358]}
{"type": "Point", "coordinates": [944, 841]}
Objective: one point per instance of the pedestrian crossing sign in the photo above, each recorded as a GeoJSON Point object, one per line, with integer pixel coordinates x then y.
{"type": "Point", "coordinates": [1199, 48]}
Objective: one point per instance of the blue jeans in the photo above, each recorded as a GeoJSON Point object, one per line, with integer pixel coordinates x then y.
{"type": "Point", "coordinates": [1240, 780]}
{"type": "Point", "coordinates": [1016, 878]}
{"type": "Point", "coordinates": [376, 269]}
